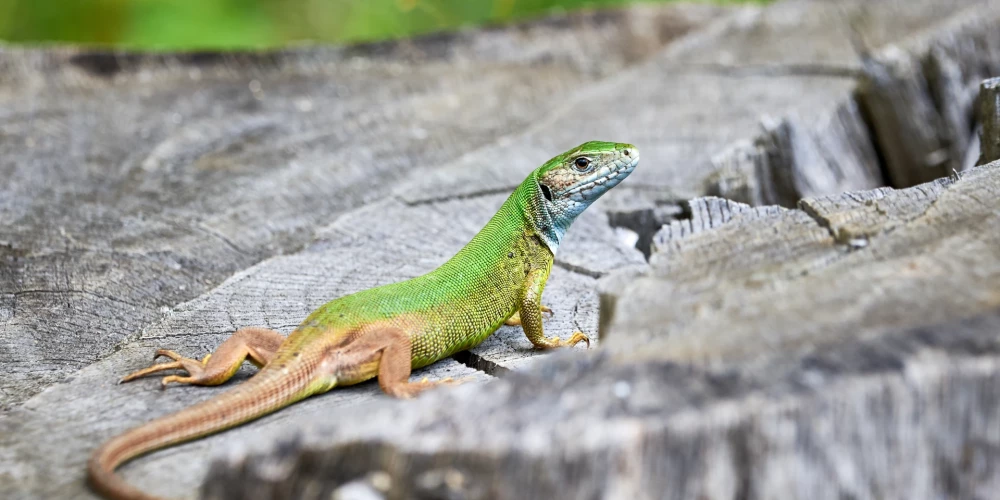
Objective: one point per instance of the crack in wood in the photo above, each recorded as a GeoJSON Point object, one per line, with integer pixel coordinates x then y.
{"type": "Point", "coordinates": [477, 362]}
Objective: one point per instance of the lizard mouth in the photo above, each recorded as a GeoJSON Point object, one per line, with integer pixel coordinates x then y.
{"type": "Point", "coordinates": [619, 172]}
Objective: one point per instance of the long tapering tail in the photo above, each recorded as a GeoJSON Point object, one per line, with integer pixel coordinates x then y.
{"type": "Point", "coordinates": [266, 392]}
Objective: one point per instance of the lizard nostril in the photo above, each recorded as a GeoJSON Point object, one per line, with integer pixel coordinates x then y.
{"type": "Point", "coordinates": [627, 152]}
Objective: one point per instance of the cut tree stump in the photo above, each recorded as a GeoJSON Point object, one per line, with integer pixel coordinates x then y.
{"type": "Point", "coordinates": [989, 120]}
{"type": "Point", "coordinates": [760, 358]}
{"type": "Point", "coordinates": [754, 321]}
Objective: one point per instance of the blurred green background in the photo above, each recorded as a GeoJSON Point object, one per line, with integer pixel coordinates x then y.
{"type": "Point", "coordinates": [233, 24]}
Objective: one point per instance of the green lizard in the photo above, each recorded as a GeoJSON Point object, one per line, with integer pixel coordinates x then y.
{"type": "Point", "coordinates": [385, 332]}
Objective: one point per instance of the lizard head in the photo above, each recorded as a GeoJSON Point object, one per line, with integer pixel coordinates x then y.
{"type": "Point", "coordinates": [570, 182]}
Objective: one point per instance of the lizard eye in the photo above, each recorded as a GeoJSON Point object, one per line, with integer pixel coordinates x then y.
{"type": "Point", "coordinates": [582, 163]}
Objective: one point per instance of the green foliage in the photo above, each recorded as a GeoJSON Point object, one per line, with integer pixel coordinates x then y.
{"type": "Point", "coordinates": [231, 24]}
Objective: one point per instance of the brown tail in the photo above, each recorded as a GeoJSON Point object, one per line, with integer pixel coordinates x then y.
{"type": "Point", "coordinates": [265, 393]}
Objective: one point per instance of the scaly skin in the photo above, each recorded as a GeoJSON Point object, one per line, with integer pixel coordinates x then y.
{"type": "Point", "coordinates": [387, 331]}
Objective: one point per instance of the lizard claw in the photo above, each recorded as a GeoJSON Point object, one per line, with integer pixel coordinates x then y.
{"type": "Point", "coordinates": [407, 390]}
{"type": "Point", "coordinates": [194, 367]}
{"type": "Point", "coordinates": [554, 342]}
{"type": "Point", "coordinates": [577, 337]}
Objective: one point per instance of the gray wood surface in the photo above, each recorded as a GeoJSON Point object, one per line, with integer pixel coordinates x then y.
{"type": "Point", "coordinates": [988, 115]}
{"type": "Point", "coordinates": [920, 101]}
{"type": "Point", "coordinates": [165, 200]}
{"type": "Point", "coordinates": [765, 352]}
{"type": "Point", "coordinates": [159, 201]}
{"type": "Point", "coordinates": [760, 358]}
{"type": "Point", "coordinates": [134, 183]}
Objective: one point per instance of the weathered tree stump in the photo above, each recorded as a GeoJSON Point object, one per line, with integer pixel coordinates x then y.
{"type": "Point", "coordinates": [760, 358]}
{"type": "Point", "coordinates": [989, 119]}
{"type": "Point", "coordinates": [761, 331]}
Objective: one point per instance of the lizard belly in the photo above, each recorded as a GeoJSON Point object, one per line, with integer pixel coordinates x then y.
{"type": "Point", "coordinates": [359, 373]}
{"type": "Point", "coordinates": [466, 328]}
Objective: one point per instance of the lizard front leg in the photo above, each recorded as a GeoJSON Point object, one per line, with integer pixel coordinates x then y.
{"type": "Point", "coordinates": [530, 314]}
{"type": "Point", "coordinates": [253, 343]}
{"type": "Point", "coordinates": [515, 319]}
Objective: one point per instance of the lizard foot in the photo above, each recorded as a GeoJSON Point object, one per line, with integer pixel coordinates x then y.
{"type": "Point", "coordinates": [515, 320]}
{"type": "Point", "coordinates": [407, 390]}
{"type": "Point", "coordinates": [553, 342]}
{"type": "Point", "coordinates": [253, 344]}
{"type": "Point", "coordinates": [194, 367]}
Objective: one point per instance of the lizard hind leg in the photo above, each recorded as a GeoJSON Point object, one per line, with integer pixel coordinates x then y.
{"type": "Point", "coordinates": [395, 366]}
{"type": "Point", "coordinates": [253, 344]}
